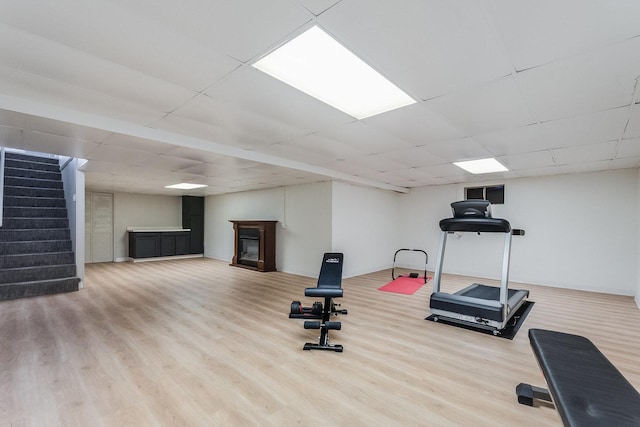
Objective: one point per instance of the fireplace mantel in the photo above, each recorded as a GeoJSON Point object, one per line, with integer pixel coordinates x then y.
{"type": "Point", "coordinates": [254, 244]}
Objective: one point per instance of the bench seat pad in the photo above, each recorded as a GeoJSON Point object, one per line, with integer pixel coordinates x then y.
{"type": "Point", "coordinates": [587, 389]}
{"type": "Point", "coordinates": [323, 292]}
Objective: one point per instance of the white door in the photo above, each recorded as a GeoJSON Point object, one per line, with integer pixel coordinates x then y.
{"type": "Point", "coordinates": [87, 228]}
{"type": "Point", "coordinates": [99, 227]}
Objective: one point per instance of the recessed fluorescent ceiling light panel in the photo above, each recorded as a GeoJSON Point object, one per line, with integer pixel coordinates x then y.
{"type": "Point", "coordinates": [185, 186]}
{"type": "Point", "coordinates": [482, 166]}
{"type": "Point", "coordinates": [319, 66]}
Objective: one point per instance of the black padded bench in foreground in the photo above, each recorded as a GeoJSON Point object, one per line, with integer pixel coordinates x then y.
{"type": "Point", "coordinates": [329, 287]}
{"type": "Point", "coordinates": [585, 387]}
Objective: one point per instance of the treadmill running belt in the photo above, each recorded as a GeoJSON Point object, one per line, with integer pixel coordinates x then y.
{"type": "Point", "coordinates": [480, 291]}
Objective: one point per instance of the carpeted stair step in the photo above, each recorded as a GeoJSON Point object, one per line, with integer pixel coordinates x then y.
{"type": "Point", "coordinates": [32, 274]}
{"type": "Point", "coordinates": [30, 173]}
{"type": "Point", "coordinates": [26, 234]}
{"type": "Point", "coordinates": [37, 246]}
{"type": "Point", "coordinates": [21, 212]}
{"type": "Point", "coordinates": [35, 202]}
{"type": "Point", "coordinates": [21, 223]}
{"type": "Point", "coordinates": [36, 255]}
{"type": "Point", "coordinates": [31, 260]}
{"type": "Point", "coordinates": [12, 181]}
{"type": "Point", "coordinates": [27, 164]}
{"type": "Point", "coordinates": [9, 155]}
{"type": "Point", "coordinates": [37, 288]}
{"type": "Point", "coordinates": [12, 190]}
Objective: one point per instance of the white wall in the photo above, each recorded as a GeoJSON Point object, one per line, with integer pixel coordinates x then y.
{"type": "Point", "coordinates": [313, 219]}
{"type": "Point", "coordinates": [581, 231]}
{"type": "Point", "coordinates": [73, 180]}
{"type": "Point", "coordinates": [303, 232]}
{"type": "Point", "coordinates": [419, 213]}
{"type": "Point", "coordinates": [142, 210]}
{"type": "Point", "coordinates": [307, 235]}
{"type": "Point", "coordinates": [365, 227]}
{"type": "Point", "coordinates": [249, 205]}
{"type": "Point", "coordinates": [638, 249]}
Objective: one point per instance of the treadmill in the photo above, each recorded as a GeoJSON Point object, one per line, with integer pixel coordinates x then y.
{"type": "Point", "coordinates": [477, 305]}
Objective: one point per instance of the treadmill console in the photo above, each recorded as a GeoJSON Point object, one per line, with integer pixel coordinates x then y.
{"type": "Point", "coordinates": [471, 209]}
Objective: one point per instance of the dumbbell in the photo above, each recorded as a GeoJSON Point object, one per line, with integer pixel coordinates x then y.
{"type": "Point", "coordinates": [297, 308]}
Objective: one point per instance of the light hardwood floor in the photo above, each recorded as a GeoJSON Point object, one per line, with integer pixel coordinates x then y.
{"type": "Point", "coordinates": [198, 343]}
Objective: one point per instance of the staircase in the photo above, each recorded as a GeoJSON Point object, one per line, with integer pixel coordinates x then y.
{"type": "Point", "coordinates": [35, 245]}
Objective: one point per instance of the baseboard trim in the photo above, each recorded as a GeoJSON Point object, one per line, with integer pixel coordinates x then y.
{"type": "Point", "coordinates": [165, 258]}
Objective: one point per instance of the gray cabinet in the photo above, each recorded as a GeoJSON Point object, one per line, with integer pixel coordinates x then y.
{"type": "Point", "coordinates": [193, 219]}
{"type": "Point", "coordinates": [145, 244]}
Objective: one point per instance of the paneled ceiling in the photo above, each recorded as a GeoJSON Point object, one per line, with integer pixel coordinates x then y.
{"type": "Point", "coordinates": [157, 92]}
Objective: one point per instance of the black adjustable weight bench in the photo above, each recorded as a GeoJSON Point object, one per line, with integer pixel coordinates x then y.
{"type": "Point", "coordinates": [329, 287]}
{"type": "Point", "coordinates": [585, 387]}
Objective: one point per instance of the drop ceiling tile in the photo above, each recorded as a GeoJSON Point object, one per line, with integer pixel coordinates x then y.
{"type": "Point", "coordinates": [493, 106]}
{"type": "Point", "coordinates": [444, 170]}
{"type": "Point", "coordinates": [601, 126]}
{"type": "Point", "coordinates": [69, 130]}
{"type": "Point", "coordinates": [135, 174]}
{"type": "Point", "coordinates": [230, 125]}
{"type": "Point", "coordinates": [253, 91]}
{"type": "Point", "coordinates": [585, 153]}
{"type": "Point", "coordinates": [136, 143]}
{"type": "Point", "coordinates": [210, 170]}
{"type": "Point", "coordinates": [427, 48]}
{"type": "Point", "coordinates": [594, 81]}
{"type": "Point", "coordinates": [240, 29]}
{"type": "Point", "coordinates": [250, 174]}
{"type": "Point", "coordinates": [11, 137]}
{"type": "Point", "coordinates": [365, 138]}
{"type": "Point", "coordinates": [56, 95]}
{"type": "Point", "coordinates": [409, 178]}
{"type": "Point", "coordinates": [192, 154]}
{"type": "Point", "coordinates": [99, 176]}
{"type": "Point", "coordinates": [416, 124]}
{"type": "Point", "coordinates": [633, 128]}
{"type": "Point", "coordinates": [176, 177]}
{"type": "Point", "coordinates": [347, 167]}
{"type": "Point", "coordinates": [415, 157]}
{"type": "Point", "coordinates": [543, 171]}
{"type": "Point", "coordinates": [138, 43]}
{"type": "Point", "coordinates": [96, 167]}
{"type": "Point", "coordinates": [168, 163]}
{"type": "Point", "coordinates": [60, 145]}
{"type": "Point", "coordinates": [376, 176]}
{"type": "Point", "coordinates": [296, 150]}
{"type": "Point", "coordinates": [531, 160]}
{"type": "Point", "coordinates": [602, 165]}
{"type": "Point", "coordinates": [12, 119]}
{"type": "Point", "coordinates": [457, 150]}
{"type": "Point", "coordinates": [378, 162]}
{"type": "Point", "coordinates": [535, 33]}
{"type": "Point", "coordinates": [523, 139]}
{"type": "Point", "coordinates": [221, 181]}
{"type": "Point", "coordinates": [178, 123]}
{"type": "Point", "coordinates": [625, 163]}
{"type": "Point", "coordinates": [120, 155]}
{"type": "Point", "coordinates": [318, 6]}
{"type": "Point", "coordinates": [325, 147]}
{"type": "Point", "coordinates": [234, 162]}
{"type": "Point", "coordinates": [41, 57]}
{"type": "Point", "coordinates": [628, 148]}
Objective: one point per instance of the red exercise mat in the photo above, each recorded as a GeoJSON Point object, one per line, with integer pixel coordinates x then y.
{"type": "Point", "coordinates": [404, 285]}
